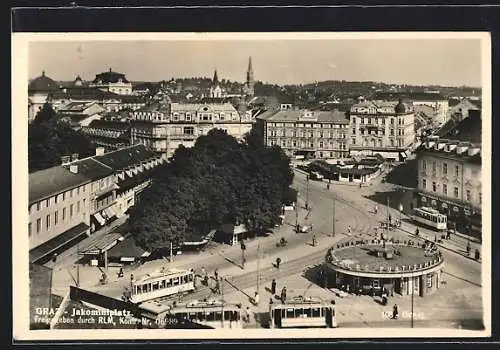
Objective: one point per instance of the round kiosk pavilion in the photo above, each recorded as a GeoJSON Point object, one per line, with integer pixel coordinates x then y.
{"type": "Point", "coordinates": [368, 266]}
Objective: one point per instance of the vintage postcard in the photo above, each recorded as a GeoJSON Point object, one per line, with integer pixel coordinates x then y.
{"type": "Point", "coordinates": [237, 186]}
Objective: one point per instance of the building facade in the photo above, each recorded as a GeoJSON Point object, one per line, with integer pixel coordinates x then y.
{"type": "Point", "coordinates": [72, 200]}
{"type": "Point", "coordinates": [381, 127]}
{"type": "Point", "coordinates": [313, 134]}
{"type": "Point", "coordinates": [40, 91]}
{"type": "Point", "coordinates": [110, 134]}
{"type": "Point", "coordinates": [112, 82]}
{"type": "Point", "coordinates": [449, 180]}
{"type": "Point", "coordinates": [163, 127]}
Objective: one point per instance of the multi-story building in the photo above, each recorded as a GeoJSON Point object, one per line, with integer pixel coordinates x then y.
{"type": "Point", "coordinates": [70, 201]}
{"type": "Point", "coordinates": [382, 127]}
{"type": "Point", "coordinates": [112, 82]}
{"type": "Point", "coordinates": [314, 134]}
{"type": "Point", "coordinates": [40, 91]}
{"type": "Point", "coordinates": [165, 126]}
{"type": "Point", "coordinates": [60, 205]}
{"type": "Point", "coordinates": [433, 99]}
{"type": "Point", "coordinates": [449, 174]}
{"type": "Point", "coordinates": [110, 134]}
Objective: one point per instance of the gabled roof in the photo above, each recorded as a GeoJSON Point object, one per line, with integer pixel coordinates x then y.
{"type": "Point", "coordinates": [47, 182]}
{"type": "Point", "coordinates": [468, 129]}
{"type": "Point", "coordinates": [126, 157]}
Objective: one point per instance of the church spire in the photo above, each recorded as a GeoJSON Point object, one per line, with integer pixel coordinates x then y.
{"type": "Point", "coordinates": [250, 81]}
{"type": "Point", "coordinates": [250, 64]}
{"type": "Point", "coordinates": [216, 78]}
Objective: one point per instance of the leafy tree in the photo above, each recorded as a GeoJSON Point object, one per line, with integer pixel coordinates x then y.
{"type": "Point", "coordinates": [49, 139]}
{"type": "Point", "coordinates": [219, 180]}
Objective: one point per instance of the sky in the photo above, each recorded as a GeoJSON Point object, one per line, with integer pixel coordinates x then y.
{"type": "Point", "coordinates": [445, 62]}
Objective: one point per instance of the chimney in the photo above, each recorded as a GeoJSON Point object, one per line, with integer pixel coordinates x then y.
{"type": "Point", "coordinates": [99, 151]}
{"type": "Point", "coordinates": [65, 160]}
{"type": "Point", "coordinates": [74, 157]}
{"type": "Point", "coordinates": [73, 168]}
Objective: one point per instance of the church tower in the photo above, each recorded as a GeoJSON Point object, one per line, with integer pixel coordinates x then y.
{"type": "Point", "coordinates": [250, 82]}
{"type": "Point", "coordinates": [215, 89]}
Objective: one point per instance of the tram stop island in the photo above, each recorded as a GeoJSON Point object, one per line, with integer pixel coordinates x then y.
{"type": "Point", "coordinates": [369, 266]}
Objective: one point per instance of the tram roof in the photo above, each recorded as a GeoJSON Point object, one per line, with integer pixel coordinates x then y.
{"type": "Point", "coordinates": [159, 274]}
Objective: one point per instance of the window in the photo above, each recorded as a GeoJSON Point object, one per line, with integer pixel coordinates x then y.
{"type": "Point", "coordinates": [392, 132]}
{"type": "Point", "coordinates": [316, 312]}
{"type": "Point", "coordinates": [64, 214]}
{"type": "Point", "coordinates": [445, 189]}
{"type": "Point", "coordinates": [71, 193]}
{"type": "Point", "coordinates": [424, 183]}
{"type": "Point", "coordinates": [78, 206]}
{"type": "Point", "coordinates": [78, 190]}
{"type": "Point", "coordinates": [445, 169]}
{"type": "Point", "coordinates": [456, 170]}
{"type": "Point", "coordinates": [189, 130]}
{"type": "Point", "coordinates": [83, 203]}
{"type": "Point", "coordinates": [455, 192]}
{"type": "Point", "coordinates": [354, 131]}
{"type": "Point", "coordinates": [29, 229]}
{"type": "Point", "coordinates": [71, 211]}
{"type": "Point", "coordinates": [56, 217]}
{"type": "Point", "coordinates": [321, 144]}
{"type": "Point", "coordinates": [55, 199]}
{"type": "Point", "coordinates": [480, 198]}
{"type": "Point", "coordinates": [424, 165]}
{"type": "Point", "coordinates": [47, 222]}
{"type": "Point", "coordinates": [433, 186]}
{"type": "Point", "coordinates": [38, 206]}
{"type": "Point", "coordinates": [434, 167]}
{"type": "Point", "coordinates": [47, 203]}
{"type": "Point", "coordinates": [429, 278]}
{"type": "Point", "coordinates": [468, 196]}
{"type": "Point", "coordinates": [353, 141]}
{"type": "Point", "coordinates": [64, 196]}
{"type": "Point", "coordinates": [38, 225]}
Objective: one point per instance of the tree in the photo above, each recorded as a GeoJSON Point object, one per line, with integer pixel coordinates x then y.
{"type": "Point", "coordinates": [49, 139]}
{"type": "Point", "coordinates": [218, 181]}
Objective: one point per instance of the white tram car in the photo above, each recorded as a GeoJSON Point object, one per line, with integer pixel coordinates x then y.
{"type": "Point", "coordinates": [430, 217]}
{"type": "Point", "coordinates": [160, 284]}
{"type": "Point", "coordinates": [303, 312]}
{"type": "Point", "coordinates": [211, 314]}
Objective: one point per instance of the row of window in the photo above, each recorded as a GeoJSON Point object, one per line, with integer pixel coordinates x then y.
{"type": "Point", "coordinates": [303, 144]}
{"type": "Point", "coordinates": [379, 143]}
{"type": "Point", "coordinates": [55, 219]}
{"type": "Point", "coordinates": [435, 186]}
{"type": "Point", "coordinates": [305, 125]}
{"type": "Point", "coordinates": [320, 134]}
{"type": "Point", "coordinates": [444, 168]}
{"type": "Point", "coordinates": [166, 283]}
{"type": "Point", "coordinates": [378, 132]}
{"type": "Point", "coordinates": [61, 197]}
{"type": "Point", "coordinates": [377, 121]}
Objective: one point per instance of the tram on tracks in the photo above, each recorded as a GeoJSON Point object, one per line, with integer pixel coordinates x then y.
{"type": "Point", "coordinates": [303, 312]}
{"type": "Point", "coordinates": [208, 314]}
{"type": "Point", "coordinates": [162, 283]}
{"type": "Point", "coordinates": [430, 217]}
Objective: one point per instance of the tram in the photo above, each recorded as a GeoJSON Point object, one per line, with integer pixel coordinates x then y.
{"type": "Point", "coordinates": [161, 284]}
{"type": "Point", "coordinates": [430, 217]}
{"type": "Point", "coordinates": [303, 312]}
{"type": "Point", "coordinates": [207, 314]}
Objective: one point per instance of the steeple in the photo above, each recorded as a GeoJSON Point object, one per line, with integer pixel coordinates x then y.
{"type": "Point", "coordinates": [216, 78]}
{"type": "Point", "coordinates": [250, 82]}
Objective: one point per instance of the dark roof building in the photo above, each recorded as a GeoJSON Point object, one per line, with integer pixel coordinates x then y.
{"type": "Point", "coordinates": [318, 116]}
{"type": "Point", "coordinates": [110, 77]}
{"type": "Point", "coordinates": [468, 129]}
{"type": "Point", "coordinates": [126, 157]}
{"type": "Point", "coordinates": [43, 84]}
{"type": "Point", "coordinates": [48, 182]}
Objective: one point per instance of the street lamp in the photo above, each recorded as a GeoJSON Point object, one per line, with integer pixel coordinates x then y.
{"type": "Point", "coordinates": [400, 212]}
{"type": "Point", "coordinates": [307, 191]}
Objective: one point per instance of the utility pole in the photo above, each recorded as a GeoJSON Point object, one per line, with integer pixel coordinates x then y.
{"type": "Point", "coordinates": [171, 251]}
{"type": "Point", "coordinates": [333, 219]}
{"type": "Point", "coordinates": [388, 222]}
{"type": "Point", "coordinates": [307, 191]}
{"type": "Point", "coordinates": [222, 302]}
{"type": "Point", "coordinates": [412, 292]}
{"type": "Point", "coordinates": [297, 214]}
{"type": "Point", "coordinates": [258, 272]}
{"type": "Point", "coordinates": [78, 266]}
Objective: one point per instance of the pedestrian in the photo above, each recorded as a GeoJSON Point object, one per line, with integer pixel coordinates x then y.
{"type": "Point", "coordinates": [395, 312]}
{"type": "Point", "coordinates": [273, 287]}
{"type": "Point", "coordinates": [390, 219]}
{"type": "Point", "coordinates": [468, 247]}
{"type": "Point", "coordinates": [256, 298]}
{"type": "Point", "coordinates": [217, 287]}
{"type": "Point", "coordinates": [435, 238]}
{"type": "Point", "coordinates": [278, 262]}
{"type": "Point", "coordinates": [349, 228]}
{"type": "Point", "coordinates": [314, 240]}
{"type": "Point", "coordinates": [247, 315]}
{"type": "Point", "coordinates": [348, 288]}
{"type": "Point", "coordinates": [216, 275]}
{"type": "Point", "coordinates": [376, 209]}
{"type": "Point", "coordinates": [271, 301]}
{"type": "Point", "coordinates": [417, 231]}
{"type": "Point", "coordinates": [120, 273]}
{"type": "Point", "coordinates": [448, 234]}
{"type": "Point", "coordinates": [54, 257]}
{"type": "Point", "coordinates": [283, 295]}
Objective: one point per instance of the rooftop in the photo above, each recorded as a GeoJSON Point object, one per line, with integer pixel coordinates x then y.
{"type": "Point", "coordinates": [126, 157]}
{"type": "Point", "coordinates": [410, 95]}
{"type": "Point", "coordinates": [47, 182]}
{"type": "Point", "coordinates": [334, 116]}
{"type": "Point", "coordinates": [202, 107]}
{"type": "Point", "coordinates": [43, 84]}
{"type": "Point", "coordinates": [110, 125]}
{"type": "Point", "coordinates": [363, 257]}
{"type": "Point", "coordinates": [110, 77]}
{"type": "Point", "coordinates": [469, 129]}
{"type": "Point", "coordinates": [91, 169]}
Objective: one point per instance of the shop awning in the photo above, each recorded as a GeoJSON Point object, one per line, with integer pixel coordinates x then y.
{"type": "Point", "coordinates": [103, 243]}
{"type": "Point", "coordinates": [99, 218]}
{"type": "Point", "coordinates": [57, 242]}
{"type": "Point", "coordinates": [109, 212]}
{"type": "Point", "coordinates": [403, 155]}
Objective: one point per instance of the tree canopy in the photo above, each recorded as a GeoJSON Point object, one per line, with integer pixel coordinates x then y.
{"type": "Point", "coordinates": [218, 181]}
{"type": "Point", "coordinates": [49, 139]}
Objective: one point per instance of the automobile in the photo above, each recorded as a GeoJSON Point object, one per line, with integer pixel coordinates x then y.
{"type": "Point", "coordinates": [303, 167]}
{"type": "Point", "coordinates": [316, 176]}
